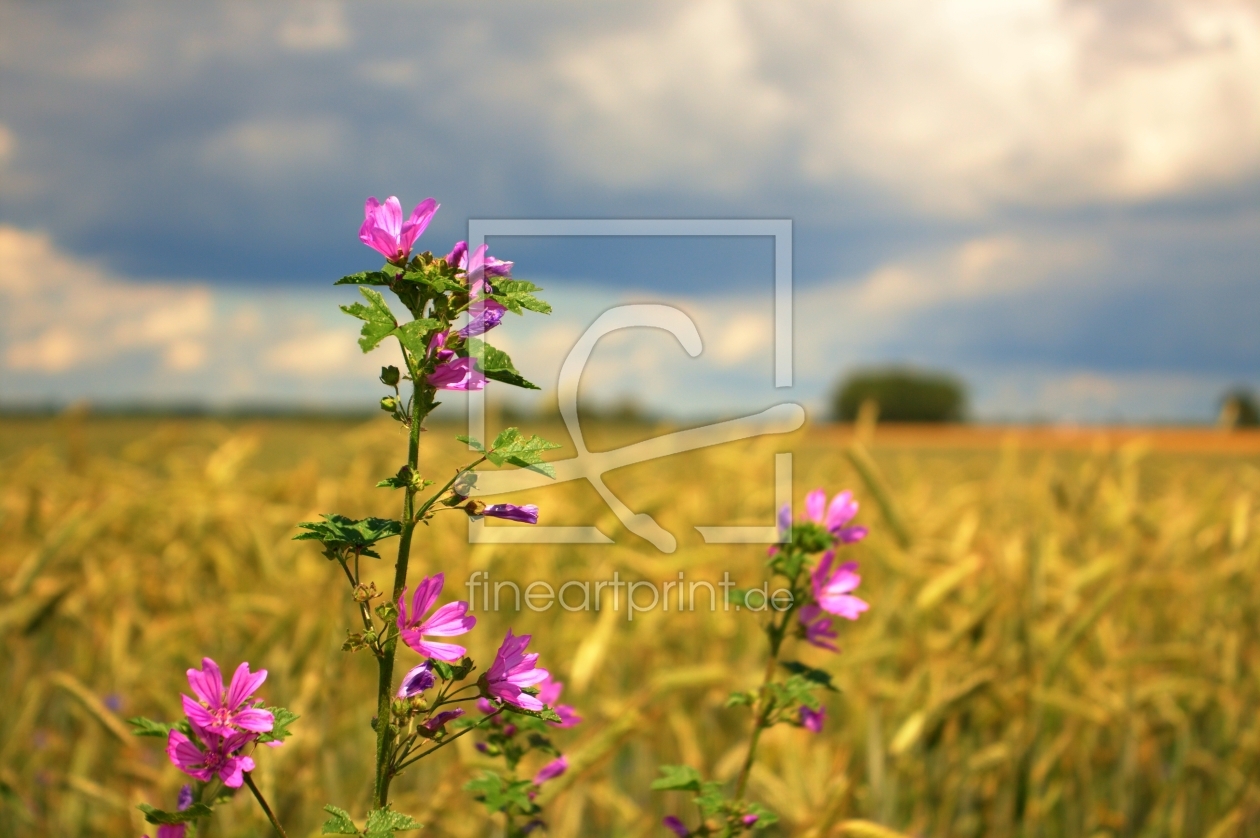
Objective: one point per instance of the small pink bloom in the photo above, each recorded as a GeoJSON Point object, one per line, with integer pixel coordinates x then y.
{"type": "Point", "coordinates": [442, 718]}
{"type": "Point", "coordinates": [833, 588]}
{"type": "Point", "coordinates": [450, 620]}
{"type": "Point", "coordinates": [549, 693]}
{"type": "Point", "coordinates": [512, 671]}
{"type": "Point", "coordinates": [220, 755]}
{"type": "Point", "coordinates": [812, 720]}
{"type": "Point", "coordinates": [749, 819]}
{"type": "Point", "coordinates": [417, 680]}
{"type": "Point", "coordinates": [674, 825]}
{"type": "Point", "coordinates": [224, 712]}
{"type": "Point", "coordinates": [836, 515]}
{"type": "Point", "coordinates": [819, 630]}
{"type": "Point", "coordinates": [458, 374]}
{"type": "Point", "coordinates": [480, 267]}
{"type": "Point", "coordinates": [384, 230]}
{"type": "Point", "coordinates": [551, 770]}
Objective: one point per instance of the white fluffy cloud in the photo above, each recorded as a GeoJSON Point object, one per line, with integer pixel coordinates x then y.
{"type": "Point", "coordinates": [955, 106]}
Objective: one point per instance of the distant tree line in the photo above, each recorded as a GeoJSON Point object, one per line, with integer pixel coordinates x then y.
{"type": "Point", "coordinates": [902, 395]}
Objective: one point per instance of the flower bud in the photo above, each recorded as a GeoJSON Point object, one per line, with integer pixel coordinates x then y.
{"type": "Point", "coordinates": [399, 707]}
{"type": "Point", "coordinates": [474, 508]}
{"type": "Point", "coordinates": [389, 404]}
{"type": "Point", "coordinates": [390, 376]}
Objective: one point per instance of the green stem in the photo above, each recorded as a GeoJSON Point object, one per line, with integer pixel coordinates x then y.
{"type": "Point", "coordinates": [444, 743]}
{"type": "Point", "coordinates": [764, 706]}
{"type": "Point", "coordinates": [419, 410]}
{"type": "Point", "coordinates": [262, 801]}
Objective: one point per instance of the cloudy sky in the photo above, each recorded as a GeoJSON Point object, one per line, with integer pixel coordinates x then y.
{"type": "Point", "coordinates": [1058, 201]}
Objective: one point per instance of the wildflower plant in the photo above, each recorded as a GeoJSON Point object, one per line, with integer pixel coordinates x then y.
{"type": "Point", "coordinates": [453, 300]}
{"type": "Point", "coordinates": [812, 590]}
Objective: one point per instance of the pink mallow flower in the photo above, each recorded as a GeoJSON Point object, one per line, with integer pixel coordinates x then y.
{"type": "Point", "coordinates": [833, 587]}
{"type": "Point", "coordinates": [674, 825]}
{"type": "Point", "coordinates": [417, 680]}
{"type": "Point", "coordinates": [836, 515]}
{"type": "Point", "coordinates": [213, 755]}
{"type": "Point", "coordinates": [442, 718]}
{"type": "Point", "coordinates": [458, 374]}
{"type": "Point", "coordinates": [482, 317]}
{"type": "Point", "coordinates": [479, 268]}
{"type": "Point", "coordinates": [224, 712]}
{"type": "Point", "coordinates": [513, 671]}
{"type": "Point", "coordinates": [527, 514]}
{"type": "Point", "coordinates": [450, 620]}
{"type": "Point", "coordinates": [549, 693]}
{"type": "Point", "coordinates": [819, 630]}
{"type": "Point", "coordinates": [812, 720]}
{"type": "Point", "coordinates": [384, 230]}
{"type": "Point", "coordinates": [551, 770]}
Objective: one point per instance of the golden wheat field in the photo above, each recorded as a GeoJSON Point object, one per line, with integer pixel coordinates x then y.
{"type": "Point", "coordinates": [1064, 637]}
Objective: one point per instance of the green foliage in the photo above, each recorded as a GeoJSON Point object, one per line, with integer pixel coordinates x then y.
{"type": "Point", "coordinates": [511, 446]}
{"type": "Point", "coordinates": [342, 536]}
{"type": "Point", "coordinates": [1239, 409]}
{"type": "Point", "coordinates": [339, 823]}
{"type": "Point", "coordinates": [903, 395]}
{"type": "Point", "coordinates": [192, 813]}
{"type": "Point", "coordinates": [495, 364]}
{"type": "Point", "coordinates": [379, 323]}
{"type": "Point", "coordinates": [677, 778]}
{"type": "Point", "coordinates": [280, 726]}
{"type": "Point", "coordinates": [383, 823]}
{"type": "Point", "coordinates": [148, 727]}
{"type": "Point", "coordinates": [517, 294]}
{"type": "Point", "coordinates": [499, 794]}
{"type": "Point", "coordinates": [813, 676]}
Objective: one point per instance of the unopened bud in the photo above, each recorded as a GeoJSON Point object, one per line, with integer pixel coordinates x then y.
{"type": "Point", "coordinates": [389, 404]}
{"type": "Point", "coordinates": [399, 707]}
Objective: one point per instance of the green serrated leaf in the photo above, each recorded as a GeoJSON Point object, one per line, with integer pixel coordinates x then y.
{"type": "Point", "coordinates": [366, 278]}
{"type": "Point", "coordinates": [816, 676]}
{"type": "Point", "coordinates": [499, 794]}
{"type": "Point", "coordinates": [148, 727]}
{"type": "Point", "coordinates": [339, 824]}
{"type": "Point", "coordinates": [711, 801]}
{"type": "Point", "coordinates": [414, 335]}
{"type": "Point", "coordinates": [192, 813]}
{"type": "Point", "coordinates": [677, 778]}
{"type": "Point", "coordinates": [471, 443]}
{"type": "Point", "coordinates": [383, 823]}
{"type": "Point", "coordinates": [282, 718]}
{"type": "Point", "coordinates": [517, 294]}
{"type": "Point", "coordinates": [339, 533]}
{"type": "Point", "coordinates": [512, 447]}
{"type": "Point", "coordinates": [496, 365]}
{"type": "Point", "coordinates": [378, 320]}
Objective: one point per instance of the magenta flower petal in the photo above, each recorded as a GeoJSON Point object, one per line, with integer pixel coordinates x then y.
{"type": "Point", "coordinates": [749, 819]}
{"type": "Point", "coordinates": [675, 826]}
{"type": "Point", "coordinates": [841, 511]}
{"type": "Point", "coordinates": [812, 720]}
{"type": "Point", "coordinates": [458, 257]}
{"type": "Point", "coordinates": [207, 683]}
{"type": "Point", "coordinates": [450, 620]}
{"type": "Point", "coordinates": [851, 535]}
{"type": "Point", "coordinates": [512, 671]}
{"type": "Point", "coordinates": [832, 588]}
{"type": "Point", "coordinates": [187, 757]}
{"type": "Point", "coordinates": [785, 518]}
{"type": "Point", "coordinates": [459, 374]}
{"type": "Point", "coordinates": [527, 514]}
{"type": "Point", "coordinates": [442, 718]}
{"type": "Point", "coordinates": [244, 685]}
{"type": "Point", "coordinates": [417, 680]}
{"type": "Point", "coordinates": [482, 318]}
{"type": "Point", "coordinates": [551, 770]}
{"type": "Point", "coordinates": [417, 223]}
{"type": "Point", "coordinates": [815, 502]}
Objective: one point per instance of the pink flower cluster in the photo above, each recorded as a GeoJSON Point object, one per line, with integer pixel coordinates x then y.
{"type": "Point", "coordinates": [224, 722]}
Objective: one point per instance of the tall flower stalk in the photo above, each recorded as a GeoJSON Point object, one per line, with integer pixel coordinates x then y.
{"type": "Point", "coordinates": [812, 590]}
{"type": "Point", "coordinates": [453, 301]}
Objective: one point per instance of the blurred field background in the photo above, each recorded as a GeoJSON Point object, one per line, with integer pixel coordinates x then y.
{"type": "Point", "coordinates": [1063, 641]}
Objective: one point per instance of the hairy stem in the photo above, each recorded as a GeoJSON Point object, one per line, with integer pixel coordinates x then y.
{"type": "Point", "coordinates": [262, 801]}
{"type": "Point", "coordinates": [764, 706]}
{"type": "Point", "coordinates": [419, 410]}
